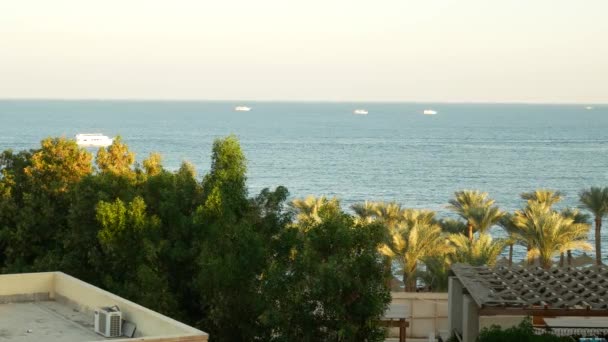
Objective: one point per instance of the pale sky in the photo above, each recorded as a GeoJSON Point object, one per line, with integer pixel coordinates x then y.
{"type": "Point", "coordinates": [331, 50]}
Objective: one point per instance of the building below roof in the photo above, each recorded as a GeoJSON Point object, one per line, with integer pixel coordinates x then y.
{"type": "Point", "coordinates": [53, 306]}
{"type": "Point", "coordinates": [480, 296]}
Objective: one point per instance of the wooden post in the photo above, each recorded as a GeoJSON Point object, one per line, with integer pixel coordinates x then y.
{"type": "Point", "coordinates": [402, 330]}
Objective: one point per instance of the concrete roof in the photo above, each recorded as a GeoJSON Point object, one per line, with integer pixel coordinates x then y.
{"type": "Point", "coordinates": [534, 287]}
{"type": "Point", "coordinates": [44, 321]}
{"type": "Point", "coordinates": [53, 306]}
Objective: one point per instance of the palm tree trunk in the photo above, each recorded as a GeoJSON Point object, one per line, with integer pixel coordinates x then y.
{"type": "Point", "coordinates": [530, 260]}
{"type": "Point", "coordinates": [545, 263]}
{"type": "Point", "coordinates": [569, 258]}
{"type": "Point", "coordinates": [409, 280]}
{"type": "Point", "coordinates": [510, 255]}
{"type": "Point", "coordinates": [598, 240]}
{"type": "Point", "coordinates": [470, 231]}
{"type": "Point", "coordinates": [561, 259]}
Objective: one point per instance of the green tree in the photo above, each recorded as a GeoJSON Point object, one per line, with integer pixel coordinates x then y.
{"type": "Point", "coordinates": [419, 237]}
{"type": "Point", "coordinates": [476, 209]}
{"type": "Point", "coordinates": [131, 238]}
{"type": "Point", "coordinates": [577, 217]}
{"type": "Point", "coordinates": [544, 196]}
{"type": "Point", "coordinates": [437, 272]}
{"type": "Point", "coordinates": [234, 249]}
{"type": "Point", "coordinates": [203, 252]}
{"type": "Point", "coordinates": [58, 165]}
{"type": "Point", "coordinates": [481, 251]}
{"type": "Point", "coordinates": [453, 226]}
{"type": "Point", "coordinates": [524, 332]}
{"type": "Point", "coordinates": [307, 209]}
{"type": "Point", "coordinates": [389, 214]}
{"type": "Point", "coordinates": [224, 189]}
{"type": "Point", "coordinates": [153, 164]}
{"type": "Point", "coordinates": [548, 233]}
{"type": "Point", "coordinates": [595, 200]}
{"type": "Point", "coordinates": [331, 287]}
{"type": "Point", "coordinates": [116, 159]}
{"type": "Point", "coordinates": [35, 188]}
{"type": "Point", "coordinates": [365, 212]}
{"type": "Point", "coordinates": [12, 182]}
{"type": "Point", "coordinates": [174, 197]}
{"type": "Point", "coordinates": [507, 224]}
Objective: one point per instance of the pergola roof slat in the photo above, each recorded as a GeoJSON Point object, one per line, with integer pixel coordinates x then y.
{"type": "Point", "coordinates": [534, 287]}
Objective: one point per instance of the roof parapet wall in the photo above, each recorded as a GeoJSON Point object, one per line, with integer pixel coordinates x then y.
{"type": "Point", "coordinates": [58, 286]}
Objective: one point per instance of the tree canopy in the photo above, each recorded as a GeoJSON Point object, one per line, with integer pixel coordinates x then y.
{"type": "Point", "coordinates": [203, 250]}
{"type": "Point", "coordinates": [200, 250]}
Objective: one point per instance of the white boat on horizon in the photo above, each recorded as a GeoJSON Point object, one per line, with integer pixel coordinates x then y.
{"type": "Point", "coordinates": [93, 139]}
{"type": "Point", "coordinates": [589, 107]}
{"type": "Point", "coordinates": [429, 112]}
{"type": "Point", "coordinates": [242, 109]}
{"type": "Point", "coordinates": [360, 112]}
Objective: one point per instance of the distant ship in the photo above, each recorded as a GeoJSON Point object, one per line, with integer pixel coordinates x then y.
{"type": "Point", "coordinates": [589, 108]}
{"type": "Point", "coordinates": [429, 112]}
{"type": "Point", "coordinates": [93, 139]}
{"type": "Point", "coordinates": [242, 109]}
{"type": "Point", "coordinates": [360, 112]}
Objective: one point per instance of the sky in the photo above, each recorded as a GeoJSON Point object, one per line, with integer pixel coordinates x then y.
{"type": "Point", "coordinates": [550, 51]}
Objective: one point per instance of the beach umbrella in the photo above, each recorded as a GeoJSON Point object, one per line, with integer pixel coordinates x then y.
{"type": "Point", "coordinates": [582, 260]}
{"type": "Point", "coordinates": [502, 262]}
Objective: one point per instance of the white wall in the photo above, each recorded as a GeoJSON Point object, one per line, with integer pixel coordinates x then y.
{"type": "Point", "coordinates": [428, 312]}
{"type": "Point", "coordinates": [455, 305]}
{"type": "Point", "coordinates": [470, 323]}
{"type": "Point", "coordinates": [26, 284]}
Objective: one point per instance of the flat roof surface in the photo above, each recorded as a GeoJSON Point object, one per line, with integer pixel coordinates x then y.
{"type": "Point", "coordinates": [528, 287]}
{"type": "Point", "coordinates": [47, 321]}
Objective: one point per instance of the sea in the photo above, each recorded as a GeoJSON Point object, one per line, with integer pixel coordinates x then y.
{"type": "Point", "coordinates": [395, 153]}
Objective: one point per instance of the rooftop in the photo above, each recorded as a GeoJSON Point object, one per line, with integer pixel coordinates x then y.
{"type": "Point", "coordinates": [54, 306]}
{"type": "Point", "coordinates": [45, 321]}
{"type": "Point", "coordinates": [576, 291]}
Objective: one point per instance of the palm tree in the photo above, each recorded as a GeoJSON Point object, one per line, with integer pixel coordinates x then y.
{"type": "Point", "coordinates": [481, 251]}
{"type": "Point", "coordinates": [390, 214]}
{"type": "Point", "coordinates": [542, 198]}
{"type": "Point", "coordinates": [477, 209]}
{"type": "Point", "coordinates": [453, 226]}
{"type": "Point", "coordinates": [547, 232]}
{"type": "Point", "coordinates": [578, 217]}
{"type": "Point", "coordinates": [415, 239]}
{"type": "Point", "coordinates": [437, 272]}
{"type": "Point", "coordinates": [411, 217]}
{"type": "Point", "coordinates": [595, 200]}
{"type": "Point", "coordinates": [307, 209]}
{"type": "Point", "coordinates": [485, 217]}
{"type": "Point", "coordinates": [506, 222]}
{"type": "Point", "coordinates": [365, 211]}
{"type": "Point", "coordinates": [545, 196]}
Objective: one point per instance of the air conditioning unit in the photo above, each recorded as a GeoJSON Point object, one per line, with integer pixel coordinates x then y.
{"type": "Point", "coordinates": [108, 321]}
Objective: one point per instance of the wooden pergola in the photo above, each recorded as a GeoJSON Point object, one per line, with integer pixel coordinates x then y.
{"type": "Point", "coordinates": [536, 292]}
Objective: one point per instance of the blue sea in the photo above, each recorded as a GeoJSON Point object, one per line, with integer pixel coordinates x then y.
{"type": "Point", "coordinates": [393, 154]}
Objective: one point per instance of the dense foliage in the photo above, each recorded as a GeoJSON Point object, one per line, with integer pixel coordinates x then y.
{"type": "Point", "coordinates": [241, 268]}
{"type": "Point", "coordinates": [524, 332]}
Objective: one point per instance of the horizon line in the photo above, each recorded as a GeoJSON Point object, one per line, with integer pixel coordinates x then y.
{"type": "Point", "coordinates": [111, 99]}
